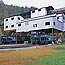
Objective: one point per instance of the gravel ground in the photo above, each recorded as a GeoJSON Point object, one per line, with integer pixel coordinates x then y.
{"type": "Point", "coordinates": [20, 47]}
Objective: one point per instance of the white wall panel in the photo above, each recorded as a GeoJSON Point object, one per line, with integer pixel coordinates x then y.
{"type": "Point", "coordinates": [35, 14]}
{"type": "Point", "coordinates": [42, 12]}
{"type": "Point", "coordinates": [11, 22]}
{"type": "Point", "coordinates": [40, 25]}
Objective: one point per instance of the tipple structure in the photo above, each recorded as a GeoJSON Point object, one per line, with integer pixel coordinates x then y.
{"type": "Point", "coordinates": [39, 19]}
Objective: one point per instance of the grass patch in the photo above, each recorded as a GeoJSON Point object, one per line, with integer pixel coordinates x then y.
{"type": "Point", "coordinates": [57, 58]}
{"type": "Point", "coordinates": [51, 55]}
{"type": "Point", "coordinates": [23, 57]}
{"type": "Point", "coordinates": [60, 48]}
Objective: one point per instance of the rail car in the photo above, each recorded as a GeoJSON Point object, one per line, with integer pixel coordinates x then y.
{"type": "Point", "coordinates": [8, 39]}
{"type": "Point", "coordinates": [34, 39]}
{"type": "Point", "coordinates": [42, 39]}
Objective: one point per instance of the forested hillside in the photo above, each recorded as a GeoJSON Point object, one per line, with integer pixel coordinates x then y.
{"type": "Point", "coordinates": [9, 10]}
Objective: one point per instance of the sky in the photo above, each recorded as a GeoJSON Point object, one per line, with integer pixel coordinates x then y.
{"type": "Point", "coordinates": [37, 3]}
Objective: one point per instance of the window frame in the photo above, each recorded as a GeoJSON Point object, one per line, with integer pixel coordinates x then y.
{"type": "Point", "coordinates": [39, 10]}
{"type": "Point", "coordinates": [47, 23]}
{"type": "Point", "coordinates": [57, 18]}
{"type": "Point", "coordinates": [12, 18]}
{"type": "Point", "coordinates": [34, 25]}
{"type": "Point", "coordinates": [33, 11]}
{"type": "Point", "coordinates": [18, 18]}
{"type": "Point", "coordinates": [53, 23]}
{"type": "Point", "coordinates": [6, 19]}
{"type": "Point", "coordinates": [26, 23]}
{"type": "Point", "coordinates": [6, 26]}
{"type": "Point", "coordinates": [12, 25]}
{"type": "Point", "coordinates": [19, 25]}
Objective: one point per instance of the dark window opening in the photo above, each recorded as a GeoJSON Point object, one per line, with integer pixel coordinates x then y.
{"type": "Point", "coordinates": [12, 25]}
{"type": "Point", "coordinates": [39, 9]}
{"type": "Point", "coordinates": [47, 23]}
{"type": "Point", "coordinates": [12, 18]}
{"type": "Point", "coordinates": [57, 17]}
{"type": "Point", "coordinates": [33, 11]}
{"type": "Point", "coordinates": [6, 19]}
{"type": "Point", "coordinates": [54, 23]}
{"type": "Point", "coordinates": [34, 25]}
{"type": "Point", "coordinates": [19, 24]}
{"type": "Point", "coordinates": [6, 26]}
{"type": "Point", "coordinates": [18, 18]}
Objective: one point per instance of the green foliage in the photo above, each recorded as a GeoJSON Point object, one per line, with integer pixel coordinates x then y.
{"type": "Point", "coordinates": [9, 10]}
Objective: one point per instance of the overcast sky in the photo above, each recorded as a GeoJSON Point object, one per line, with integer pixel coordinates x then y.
{"type": "Point", "coordinates": [37, 3]}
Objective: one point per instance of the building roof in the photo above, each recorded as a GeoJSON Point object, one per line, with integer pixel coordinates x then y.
{"type": "Point", "coordinates": [60, 10]}
{"type": "Point", "coordinates": [24, 15]}
{"type": "Point", "coordinates": [28, 14]}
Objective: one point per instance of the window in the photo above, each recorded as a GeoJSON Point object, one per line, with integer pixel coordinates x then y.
{"type": "Point", "coordinates": [64, 17]}
{"type": "Point", "coordinates": [19, 24]}
{"type": "Point", "coordinates": [47, 23]}
{"type": "Point", "coordinates": [45, 38]}
{"type": "Point", "coordinates": [39, 9]}
{"type": "Point", "coordinates": [18, 18]}
{"type": "Point", "coordinates": [54, 23]}
{"type": "Point", "coordinates": [26, 23]}
{"type": "Point", "coordinates": [34, 25]}
{"type": "Point", "coordinates": [12, 25]}
{"type": "Point", "coordinates": [57, 17]}
{"type": "Point", "coordinates": [33, 11]}
{"type": "Point", "coordinates": [42, 38]}
{"type": "Point", "coordinates": [6, 19]}
{"type": "Point", "coordinates": [12, 18]}
{"type": "Point", "coordinates": [6, 26]}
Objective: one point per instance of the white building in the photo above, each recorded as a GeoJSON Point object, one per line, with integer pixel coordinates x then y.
{"type": "Point", "coordinates": [39, 20]}
{"type": "Point", "coordinates": [10, 23]}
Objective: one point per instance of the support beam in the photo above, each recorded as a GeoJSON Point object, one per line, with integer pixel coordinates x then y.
{"type": "Point", "coordinates": [62, 36]}
{"type": "Point", "coordinates": [16, 37]}
{"type": "Point", "coordinates": [52, 36]}
{"type": "Point", "coordinates": [57, 36]}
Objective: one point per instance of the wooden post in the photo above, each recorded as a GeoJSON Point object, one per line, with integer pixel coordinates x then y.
{"type": "Point", "coordinates": [56, 36]}
{"type": "Point", "coordinates": [52, 37]}
{"type": "Point", "coordinates": [62, 36]}
{"type": "Point", "coordinates": [16, 37]}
